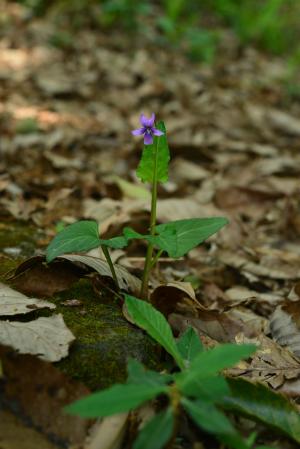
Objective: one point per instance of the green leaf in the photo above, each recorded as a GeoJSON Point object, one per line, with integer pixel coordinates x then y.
{"type": "Point", "coordinates": [212, 420]}
{"type": "Point", "coordinates": [210, 362]}
{"type": "Point", "coordinates": [137, 374]}
{"type": "Point", "coordinates": [79, 236]}
{"type": "Point", "coordinates": [150, 319]}
{"type": "Point", "coordinates": [114, 242]}
{"type": "Point", "coordinates": [154, 156]}
{"type": "Point", "coordinates": [117, 399]}
{"type": "Point", "coordinates": [178, 237]}
{"type": "Point", "coordinates": [157, 432]}
{"type": "Point", "coordinates": [258, 402]}
{"type": "Point", "coordinates": [213, 388]}
{"type": "Point", "coordinates": [207, 416]}
{"type": "Point", "coordinates": [189, 345]}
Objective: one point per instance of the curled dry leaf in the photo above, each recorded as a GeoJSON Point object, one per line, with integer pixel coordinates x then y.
{"type": "Point", "coordinates": [13, 302]}
{"type": "Point", "coordinates": [166, 298]}
{"type": "Point", "coordinates": [126, 280]}
{"type": "Point", "coordinates": [284, 325]}
{"type": "Point", "coordinates": [47, 337]}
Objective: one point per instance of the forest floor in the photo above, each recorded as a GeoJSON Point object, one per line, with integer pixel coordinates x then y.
{"type": "Point", "coordinates": [66, 112]}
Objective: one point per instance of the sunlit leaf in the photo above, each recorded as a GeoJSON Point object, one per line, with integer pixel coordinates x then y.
{"type": "Point", "coordinates": [79, 236]}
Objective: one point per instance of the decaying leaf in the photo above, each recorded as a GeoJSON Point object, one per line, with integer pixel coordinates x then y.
{"type": "Point", "coordinates": [35, 277]}
{"type": "Point", "coordinates": [13, 302]}
{"type": "Point", "coordinates": [284, 325]}
{"type": "Point", "coordinates": [126, 280]}
{"type": "Point", "coordinates": [270, 364]}
{"type": "Point", "coordinates": [46, 337]}
{"type": "Point", "coordinates": [166, 298]}
{"type": "Point", "coordinates": [217, 326]}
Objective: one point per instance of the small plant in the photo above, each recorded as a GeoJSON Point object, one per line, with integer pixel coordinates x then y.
{"type": "Point", "coordinates": [176, 238]}
{"type": "Point", "coordinates": [197, 389]}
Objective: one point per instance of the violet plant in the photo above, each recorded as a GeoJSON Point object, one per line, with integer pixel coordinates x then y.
{"type": "Point", "coordinates": [176, 238]}
{"type": "Point", "coordinates": [195, 389]}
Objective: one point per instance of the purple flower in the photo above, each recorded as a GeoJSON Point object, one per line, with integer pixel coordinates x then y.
{"type": "Point", "coordinates": [147, 129]}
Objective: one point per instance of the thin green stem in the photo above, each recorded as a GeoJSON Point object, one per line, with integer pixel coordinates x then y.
{"type": "Point", "coordinates": [111, 265]}
{"type": "Point", "coordinates": [155, 258]}
{"type": "Point", "coordinates": [148, 260]}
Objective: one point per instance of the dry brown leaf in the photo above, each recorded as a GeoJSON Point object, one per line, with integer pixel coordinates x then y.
{"type": "Point", "coordinates": [15, 435]}
{"type": "Point", "coordinates": [127, 281]}
{"type": "Point", "coordinates": [217, 326]}
{"type": "Point", "coordinates": [167, 298]}
{"type": "Point", "coordinates": [284, 325]}
{"type": "Point", "coordinates": [270, 364]}
{"type": "Point", "coordinates": [46, 337]}
{"type": "Point", "coordinates": [13, 302]}
{"type": "Point", "coordinates": [269, 266]}
{"type": "Point", "coordinates": [240, 294]}
{"type": "Point", "coordinates": [41, 391]}
{"type": "Point", "coordinates": [35, 277]}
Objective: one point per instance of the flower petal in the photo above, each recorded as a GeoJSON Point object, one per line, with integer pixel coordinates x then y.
{"type": "Point", "coordinates": [147, 122]}
{"type": "Point", "coordinates": [148, 139]}
{"type": "Point", "coordinates": [138, 132]}
{"type": "Point", "coordinates": [156, 132]}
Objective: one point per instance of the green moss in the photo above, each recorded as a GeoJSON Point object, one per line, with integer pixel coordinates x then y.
{"type": "Point", "coordinates": [18, 239]}
{"type": "Point", "coordinates": [7, 265]}
{"type": "Point", "coordinates": [104, 339]}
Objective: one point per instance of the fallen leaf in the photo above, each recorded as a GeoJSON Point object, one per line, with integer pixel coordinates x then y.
{"type": "Point", "coordinates": [270, 364]}
{"type": "Point", "coordinates": [284, 325]}
{"type": "Point", "coordinates": [127, 281]}
{"type": "Point", "coordinates": [35, 277]}
{"type": "Point", "coordinates": [46, 337]}
{"type": "Point", "coordinates": [13, 302]}
{"type": "Point", "coordinates": [108, 433]}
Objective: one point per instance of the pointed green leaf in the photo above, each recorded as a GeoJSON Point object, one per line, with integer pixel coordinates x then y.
{"type": "Point", "coordinates": [213, 388]}
{"type": "Point", "coordinates": [155, 156]}
{"type": "Point", "coordinates": [150, 319]}
{"type": "Point", "coordinates": [157, 432]}
{"type": "Point", "coordinates": [212, 420]}
{"type": "Point", "coordinates": [138, 374]}
{"type": "Point", "coordinates": [116, 399]}
{"type": "Point", "coordinates": [79, 236]}
{"type": "Point", "coordinates": [189, 345]}
{"type": "Point", "coordinates": [178, 237]}
{"type": "Point", "coordinates": [114, 242]}
{"type": "Point", "coordinates": [209, 363]}
{"type": "Point", "coordinates": [207, 416]}
{"type": "Point", "coordinates": [258, 402]}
